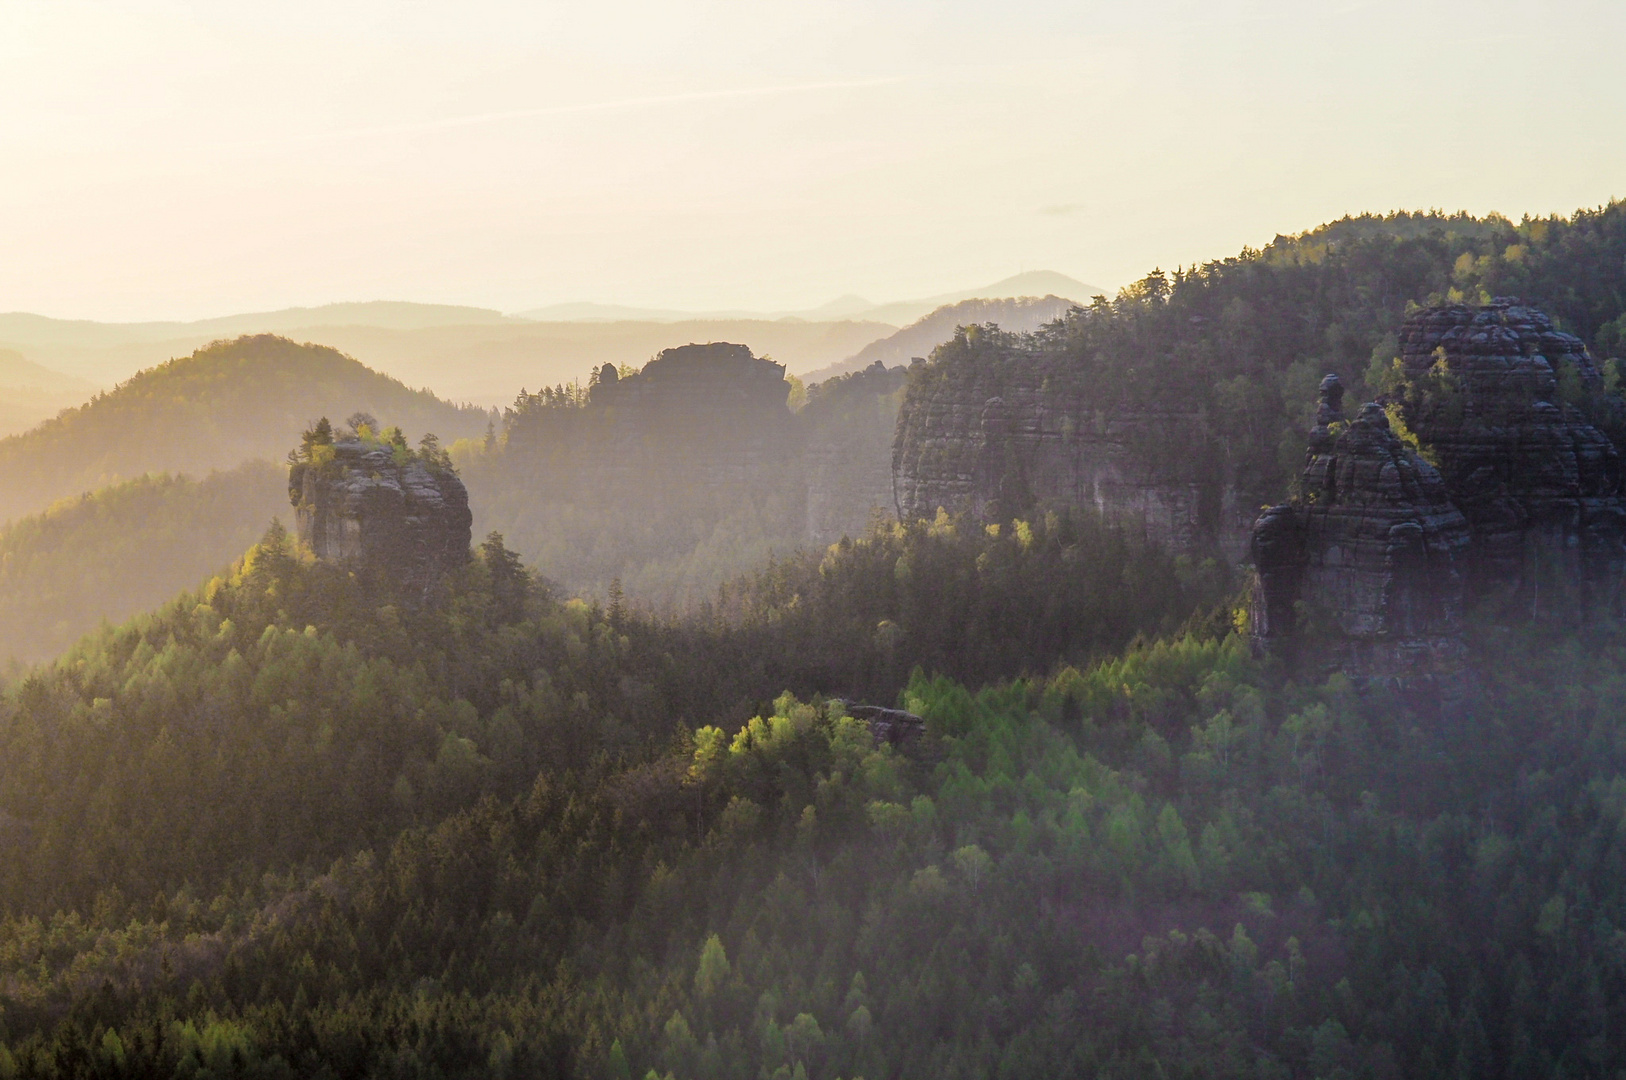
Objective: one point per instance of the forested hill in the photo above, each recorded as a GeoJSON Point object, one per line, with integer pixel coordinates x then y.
{"type": "Point", "coordinates": [1207, 376]}
{"type": "Point", "coordinates": [125, 549]}
{"type": "Point", "coordinates": [227, 403]}
{"type": "Point", "coordinates": [281, 828]}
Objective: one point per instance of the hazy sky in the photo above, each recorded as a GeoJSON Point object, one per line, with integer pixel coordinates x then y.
{"type": "Point", "coordinates": [185, 159]}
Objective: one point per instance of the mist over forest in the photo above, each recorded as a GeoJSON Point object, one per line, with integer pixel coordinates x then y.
{"type": "Point", "coordinates": [1217, 678]}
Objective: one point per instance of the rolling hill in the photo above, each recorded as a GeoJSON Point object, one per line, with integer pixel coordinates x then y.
{"type": "Point", "coordinates": [463, 354]}
{"type": "Point", "coordinates": [225, 404]}
{"type": "Point", "coordinates": [488, 365]}
{"type": "Point", "coordinates": [125, 549]}
{"type": "Point", "coordinates": [30, 393]}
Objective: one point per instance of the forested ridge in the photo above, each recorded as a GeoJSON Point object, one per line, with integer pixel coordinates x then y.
{"type": "Point", "coordinates": [1245, 340]}
{"type": "Point", "coordinates": [123, 549]}
{"type": "Point", "coordinates": [293, 823]}
{"type": "Point", "coordinates": [227, 403]}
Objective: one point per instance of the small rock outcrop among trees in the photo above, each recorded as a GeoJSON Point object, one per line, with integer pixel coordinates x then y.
{"type": "Point", "coordinates": [372, 502]}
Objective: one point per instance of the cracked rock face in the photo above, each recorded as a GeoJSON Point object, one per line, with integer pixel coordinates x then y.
{"type": "Point", "coordinates": [1366, 564]}
{"type": "Point", "coordinates": [993, 436]}
{"type": "Point", "coordinates": [1501, 409]}
{"type": "Point", "coordinates": [367, 508]}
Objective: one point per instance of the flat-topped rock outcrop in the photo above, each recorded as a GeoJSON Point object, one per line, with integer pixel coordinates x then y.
{"type": "Point", "coordinates": [381, 508]}
{"type": "Point", "coordinates": [993, 432]}
{"type": "Point", "coordinates": [696, 419]}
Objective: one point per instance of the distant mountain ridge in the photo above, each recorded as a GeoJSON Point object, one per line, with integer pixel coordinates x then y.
{"type": "Point", "coordinates": [479, 354]}
{"type": "Point", "coordinates": [1028, 283]}
{"type": "Point", "coordinates": [26, 328]}
{"type": "Point", "coordinates": [18, 372]}
{"type": "Point", "coordinates": [464, 354]}
{"type": "Point", "coordinates": [1020, 314]}
{"type": "Point", "coordinates": [30, 393]}
{"type": "Point", "coordinates": [104, 352]}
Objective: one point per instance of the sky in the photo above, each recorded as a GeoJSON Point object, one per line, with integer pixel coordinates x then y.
{"type": "Point", "coordinates": [180, 160]}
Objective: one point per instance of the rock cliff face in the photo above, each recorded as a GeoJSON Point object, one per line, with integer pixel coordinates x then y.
{"type": "Point", "coordinates": [994, 438]}
{"type": "Point", "coordinates": [382, 510]}
{"type": "Point", "coordinates": [1370, 567]}
{"type": "Point", "coordinates": [1497, 397]}
{"type": "Point", "coordinates": [1367, 563]}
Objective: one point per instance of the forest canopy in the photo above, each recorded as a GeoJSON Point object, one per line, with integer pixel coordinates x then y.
{"type": "Point", "coordinates": [290, 823]}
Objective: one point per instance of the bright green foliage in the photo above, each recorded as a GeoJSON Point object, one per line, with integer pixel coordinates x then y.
{"type": "Point", "coordinates": [286, 827]}
{"type": "Point", "coordinates": [948, 596]}
{"type": "Point", "coordinates": [444, 841]}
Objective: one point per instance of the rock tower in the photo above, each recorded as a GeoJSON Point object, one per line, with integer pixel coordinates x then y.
{"type": "Point", "coordinates": [1521, 511]}
{"type": "Point", "coordinates": [382, 509]}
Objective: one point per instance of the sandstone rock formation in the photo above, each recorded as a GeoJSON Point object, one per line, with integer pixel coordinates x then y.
{"type": "Point", "coordinates": [382, 509]}
{"type": "Point", "coordinates": [1365, 566]}
{"type": "Point", "coordinates": [1370, 567]}
{"type": "Point", "coordinates": [994, 436]}
{"type": "Point", "coordinates": [1500, 399]}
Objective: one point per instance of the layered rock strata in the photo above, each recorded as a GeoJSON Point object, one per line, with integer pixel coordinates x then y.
{"type": "Point", "coordinates": [1365, 566]}
{"type": "Point", "coordinates": [1370, 567]}
{"type": "Point", "coordinates": [993, 437]}
{"type": "Point", "coordinates": [383, 510]}
{"type": "Point", "coordinates": [1501, 399]}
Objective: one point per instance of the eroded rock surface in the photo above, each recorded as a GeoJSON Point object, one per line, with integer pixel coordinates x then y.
{"type": "Point", "coordinates": [994, 436]}
{"type": "Point", "coordinates": [1365, 566]}
{"type": "Point", "coordinates": [382, 509]}
{"type": "Point", "coordinates": [1371, 566]}
{"type": "Point", "coordinates": [1501, 399]}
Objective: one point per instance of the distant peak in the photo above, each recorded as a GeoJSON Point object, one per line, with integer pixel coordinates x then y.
{"type": "Point", "coordinates": [1034, 283]}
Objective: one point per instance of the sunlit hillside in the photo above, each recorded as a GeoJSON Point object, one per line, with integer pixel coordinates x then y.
{"type": "Point", "coordinates": [124, 549]}
{"type": "Point", "coordinates": [1017, 794]}
{"type": "Point", "coordinates": [225, 404]}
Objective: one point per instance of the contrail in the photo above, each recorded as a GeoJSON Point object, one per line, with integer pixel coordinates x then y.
{"type": "Point", "coordinates": [473, 120]}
